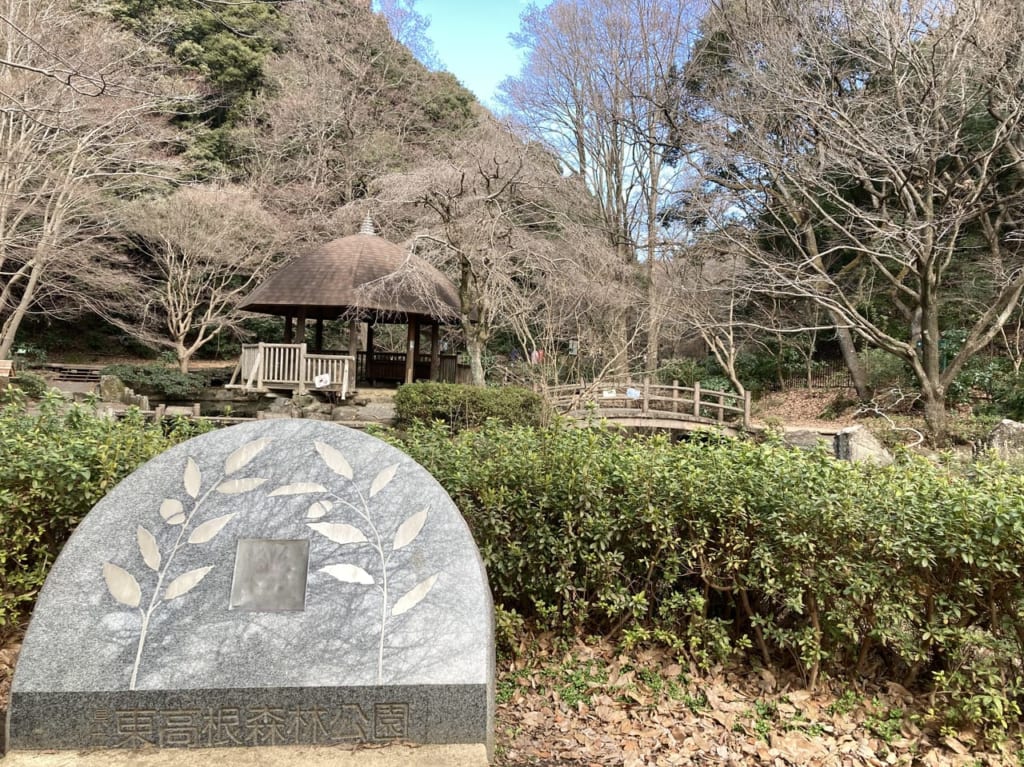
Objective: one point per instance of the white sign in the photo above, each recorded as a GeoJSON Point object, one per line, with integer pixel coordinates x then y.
{"type": "Point", "coordinates": [322, 380]}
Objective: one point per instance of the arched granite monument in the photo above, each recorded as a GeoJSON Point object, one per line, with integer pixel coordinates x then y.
{"type": "Point", "coordinates": [275, 583]}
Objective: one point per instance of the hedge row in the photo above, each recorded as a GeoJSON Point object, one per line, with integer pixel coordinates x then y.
{"type": "Point", "coordinates": [55, 464]}
{"type": "Point", "coordinates": [464, 407]}
{"type": "Point", "coordinates": [717, 546]}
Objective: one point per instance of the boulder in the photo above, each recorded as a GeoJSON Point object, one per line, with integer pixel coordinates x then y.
{"type": "Point", "coordinates": [856, 443]}
{"type": "Point", "coordinates": [1007, 439]}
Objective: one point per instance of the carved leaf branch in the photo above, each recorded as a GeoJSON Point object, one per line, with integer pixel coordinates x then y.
{"type": "Point", "coordinates": [345, 534]}
{"type": "Point", "coordinates": [125, 588]}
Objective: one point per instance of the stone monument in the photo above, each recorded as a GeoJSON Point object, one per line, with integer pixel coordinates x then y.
{"type": "Point", "coordinates": [279, 583]}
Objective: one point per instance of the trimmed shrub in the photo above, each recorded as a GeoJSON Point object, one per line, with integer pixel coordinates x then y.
{"type": "Point", "coordinates": [158, 380]}
{"type": "Point", "coordinates": [717, 546]}
{"type": "Point", "coordinates": [54, 466]}
{"type": "Point", "coordinates": [462, 407]}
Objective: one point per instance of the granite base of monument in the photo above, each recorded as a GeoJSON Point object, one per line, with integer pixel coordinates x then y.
{"type": "Point", "coordinates": [280, 583]}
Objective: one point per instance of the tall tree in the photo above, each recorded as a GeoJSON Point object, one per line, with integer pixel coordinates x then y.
{"type": "Point", "coordinates": [879, 149]}
{"type": "Point", "coordinates": [592, 89]}
{"type": "Point", "coordinates": [79, 120]}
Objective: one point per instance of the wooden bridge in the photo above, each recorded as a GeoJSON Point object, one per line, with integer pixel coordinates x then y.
{"type": "Point", "coordinates": [654, 406]}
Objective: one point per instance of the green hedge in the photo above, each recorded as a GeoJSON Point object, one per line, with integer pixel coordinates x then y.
{"type": "Point", "coordinates": [719, 546]}
{"type": "Point", "coordinates": [158, 380]}
{"type": "Point", "coordinates": [463, 407]}
{"type": "Point", "coordinates": [55, 464]}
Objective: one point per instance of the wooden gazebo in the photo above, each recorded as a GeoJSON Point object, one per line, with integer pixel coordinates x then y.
{"type": "Point", "coordinates": [360, 278]}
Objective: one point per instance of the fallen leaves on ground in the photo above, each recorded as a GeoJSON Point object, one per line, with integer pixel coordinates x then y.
{"type": "Point", "coordinates": [594, 707]}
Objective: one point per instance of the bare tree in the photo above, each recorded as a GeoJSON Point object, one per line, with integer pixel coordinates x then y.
{"type": "Point", "coordinates": [71, 144]}
{"type": "Point", "coordinates": [491, 213]}
{"type": "Point", "coordinates": [876, 152]}
{"type": "Point", "coordinates": [205, 248]}
{"type": "Point", "coordinates": [409, 27]}
{"type": "Point", "coordinates": [592, 89]}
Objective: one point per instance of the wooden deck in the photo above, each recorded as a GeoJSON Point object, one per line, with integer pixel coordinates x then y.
{"type": "Point", "coordinates": [290, 367]}
{"type": "Point", "coordinates": [643, 404]}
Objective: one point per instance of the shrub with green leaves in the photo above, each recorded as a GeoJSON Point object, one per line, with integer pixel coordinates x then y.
{"type": "Point", "coordinates": [158, 380]}
{"type": "Point", "coordinates": [719, 545]}
{"type": "Point", "coordinates": [463, 407]}
{"type": "Point", "coordinates": [55, 464]}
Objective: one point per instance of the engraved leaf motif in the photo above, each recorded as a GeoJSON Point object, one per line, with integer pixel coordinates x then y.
{"type": "Point", "coordinates": [186, 582]}
{"type": "Point", "coordinates": [206, 531]}
{"type": "Point", "coordinates": [234, 486]}
{"type": "Point", "coordinates": [409, 529]}
{"type": "Point", "coordinates": [339, 533]}
{"type": "Point", "coordinates": [348, 573]}
{"type": "Point", "coordinates": [318, 509]}
{"type": "Point", "coordinates": [335, 460]}
{"type": "Point", "coordinates": [414, 596]}
{"type": "Point", "coordinates": [193, 478]}
{"type": "Point", "coordinates": [241, 457]}
{"type": "Point", "coordinates": [148, 547]}
{"type": "Point", "coordinates": [122, 585]}
{"type": "Point", "coordinates": [298, 488]}
{"type": "Point", "coordinates": [382, 479]}
{"type": "Point", "coordinates": [172, 511]}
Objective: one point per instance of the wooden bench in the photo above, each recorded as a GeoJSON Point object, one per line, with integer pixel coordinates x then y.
{"type": "Point", "coordinates": [6, 369]}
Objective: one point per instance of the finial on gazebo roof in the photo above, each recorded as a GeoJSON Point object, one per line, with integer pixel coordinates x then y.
{"type": "Point", "coordinates": [367, 226]}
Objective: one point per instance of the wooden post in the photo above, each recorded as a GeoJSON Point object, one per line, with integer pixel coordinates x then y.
{"type": "Point", "coordinates": [435, 351]}
{"type": "Point", "coordinates": [353, 351]}
{"type": "Point", "coordinates": [300, 326]}
{"type": "Point", "coordinates": [721, 409]}
{"type": "Point", "coordinates": [645, 405]}
{"type": "Point", "coordinates": [696, 399]}
{"type": "Point", "coordinates": [302, 367]}
{"type": "Point", "coordinates": [318, 340]}
{"type": "Point", "coordinates": [410, 350]}
{"type": "Point", "coordinates": [369, 352]}
{"type": "Point", "coordinates": [675, 396]}
{"type": "Point", "coordinates": [259, 364]}
{"type": "Point", "coordinates": [196, 410]}
{"type": "Point", "coordinates": [746, 409]}
{"type": "Point", "coordinates": [289, 331]}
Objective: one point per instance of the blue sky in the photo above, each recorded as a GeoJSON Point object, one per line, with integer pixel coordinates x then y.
{"type": "Point", "coordinates": [471, 39]}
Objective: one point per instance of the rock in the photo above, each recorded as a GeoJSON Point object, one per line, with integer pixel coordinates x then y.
{"type": "Point", "coordinates": [805, 439]}
{"type": "Point", "coordinates": [111, 389]}
{"type": "Point", "coordinates": [856, 443]}
{"type": "Point", "coordinates": [1007, 439]}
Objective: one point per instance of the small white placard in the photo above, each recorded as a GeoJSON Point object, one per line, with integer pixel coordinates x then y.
{"type": "Point", "coordinates": [633, 393]}
{"type": "Point", "coordinates": [609, 394]}
{"type": "Point", "coordinates": [322, 380]}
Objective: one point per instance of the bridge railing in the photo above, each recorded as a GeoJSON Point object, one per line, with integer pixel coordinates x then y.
{"type": "Point", "coordinates": [631, 399]}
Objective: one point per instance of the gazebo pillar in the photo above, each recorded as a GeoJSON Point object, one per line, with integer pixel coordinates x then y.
{"type": "Point", "coordinates": [435, 352]}
{"type": "Point", "coordinates": [289, 331]}
{"type": "Point", "coordinates": [410, 349]}
{"type": "Point", "coordinates": [353, 351]}
{"type": "Point", "coordinates": [300, 326]}
{"type": "Point", "coordinates": [318, 341]}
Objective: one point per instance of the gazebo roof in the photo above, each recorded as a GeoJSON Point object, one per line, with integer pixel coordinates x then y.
{"type": "Point", "coordinates": [362, 276]}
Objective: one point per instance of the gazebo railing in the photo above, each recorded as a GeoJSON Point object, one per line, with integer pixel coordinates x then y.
{"type": "Point", "coordinates": [290, 366]}
{"type": "Point", "coordinates": [390, 366]}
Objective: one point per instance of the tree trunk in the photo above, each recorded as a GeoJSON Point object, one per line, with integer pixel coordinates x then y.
{"type": "Point", "coordinates": [935, 413]}
{"type": "Point", "coordinates": [857, 372]}
{"type": "Point", "coordinates": [183, 358]}
{"type": "Point", "coordinates": [475, 347]}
